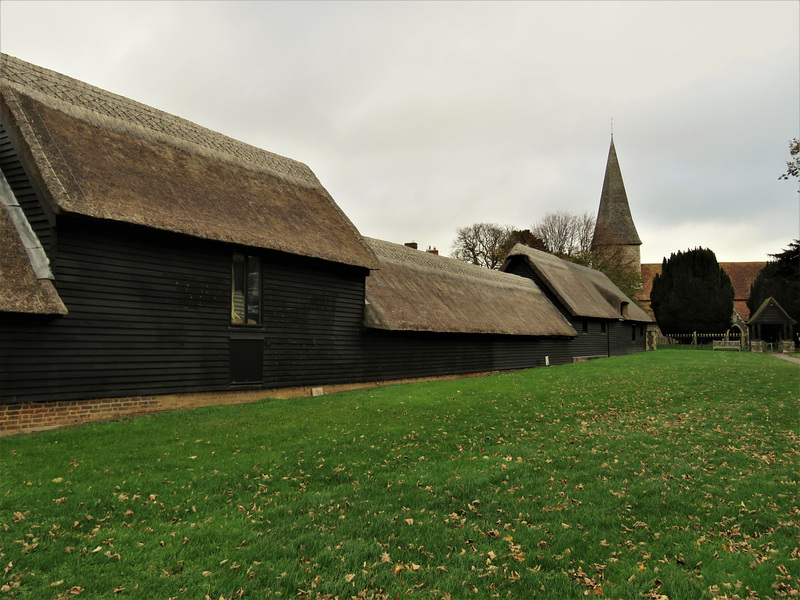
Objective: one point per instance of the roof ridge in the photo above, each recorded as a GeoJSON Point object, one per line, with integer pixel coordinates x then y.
{"type": "Point", "coordinates": [446, 265]}
{"type": "Point", "coordinates": [121, 114]}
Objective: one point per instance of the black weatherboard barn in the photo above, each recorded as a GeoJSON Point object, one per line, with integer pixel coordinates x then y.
{"type": "Point", "coordinates": [607, 322]}
{"type": "Point", "coordinates": [184, 258]}
{"type": "Point", "coordinates": [143, 255]}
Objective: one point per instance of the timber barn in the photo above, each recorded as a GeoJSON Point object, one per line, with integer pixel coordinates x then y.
{"type": "Point", "coordinates": [150, 263]}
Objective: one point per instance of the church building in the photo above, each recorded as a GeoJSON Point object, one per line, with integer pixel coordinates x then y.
{"type": "Point", "coordinates": [616, 231]}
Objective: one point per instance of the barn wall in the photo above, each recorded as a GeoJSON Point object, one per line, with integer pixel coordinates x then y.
{"type": "Point", "coordinates": [594, 341]}
{"type": "Point", "coordinates": [395, 355]}
{"type": "Point", "coordinates": [313, 318]}
{"type": "Point", "coordinates": [623, 341]}
{"type": "Point", "coordinates": [149, 313]}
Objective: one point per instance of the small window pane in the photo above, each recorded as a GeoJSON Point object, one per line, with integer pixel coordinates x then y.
{"type": "Point", "coordinates": [253, 290]}
{"type": "Point", "coordinates": [237, 291]}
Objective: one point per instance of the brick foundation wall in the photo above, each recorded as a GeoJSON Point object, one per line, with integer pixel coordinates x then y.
{"type": "Point", "coordinates": [31, 417]}
{"type": "Point", "coordinates": [21, 418]}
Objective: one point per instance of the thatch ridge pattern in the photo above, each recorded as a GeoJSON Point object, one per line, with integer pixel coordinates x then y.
{"type": "Point", "coordinates": [444, 265]}
{"type": "Point", "coordinates": [118, 113]}
{"type": "Point", "coordinates": [100, 155]}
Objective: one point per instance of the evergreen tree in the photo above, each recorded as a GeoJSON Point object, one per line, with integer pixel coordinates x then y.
{"type": "Point", "coordinates": [779, 279]}
{"type": "Point", "coordinates": [692, 293]}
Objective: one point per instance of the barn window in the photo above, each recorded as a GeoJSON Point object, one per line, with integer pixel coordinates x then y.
{"type": "Point", "coordinates": [246, 290]}
{"type": "Point", "coordinates": [633, 333]}
{"type": "Point", "coordinates": [586, 327]}
{"type": "Point", "coordinates": [603, 327]}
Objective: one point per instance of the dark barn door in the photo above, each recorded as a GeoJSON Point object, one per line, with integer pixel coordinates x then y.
{"type": "Point", "coordinates": [247, 360]}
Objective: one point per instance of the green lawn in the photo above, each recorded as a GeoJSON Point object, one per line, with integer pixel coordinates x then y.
{"type": "Point", "coordinates": [660, 475]}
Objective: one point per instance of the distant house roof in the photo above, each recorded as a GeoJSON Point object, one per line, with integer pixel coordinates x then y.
{"type": "Point", "coordinates": [420, 291]}
{"type": "Point", "coordinates": [584, 292]}
{"type": "Point", "coordinates": [742, 275]}
{"type": "Point", "coordinates": [21, 289]}
{"type": "Point", "coordinates": [101, 155]}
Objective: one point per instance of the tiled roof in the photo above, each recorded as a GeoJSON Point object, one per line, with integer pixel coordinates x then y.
{"type": "Point", "coordinates": [742, 275]}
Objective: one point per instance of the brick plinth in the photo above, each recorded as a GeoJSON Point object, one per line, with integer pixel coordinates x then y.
{"type": "Point", "coordinates": [30, 417]}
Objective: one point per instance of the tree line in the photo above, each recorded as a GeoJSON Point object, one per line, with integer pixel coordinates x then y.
{"type": "Point", "coordinates": [692, 292]}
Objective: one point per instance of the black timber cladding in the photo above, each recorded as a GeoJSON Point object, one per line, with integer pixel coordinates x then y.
{"type": "Point", "coordinates": [145, 315]}
{"type": "Point", "coordinates": [150, 314]}
{"type": "Point", "coordinates": [596, 337]}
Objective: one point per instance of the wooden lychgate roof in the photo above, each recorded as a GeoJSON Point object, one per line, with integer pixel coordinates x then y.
{"type": "Point", "coordinates": [770, 312]}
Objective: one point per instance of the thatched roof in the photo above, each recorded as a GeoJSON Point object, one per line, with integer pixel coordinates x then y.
{"type": "Point", "coordinates": [420, 291]}
{"type": "Point", "coordinates": [584, 292]}
{"type": "Point", "coordinates": [614, 221]}
{"type": "Point", "coordinates": [21, 290]}
{"type": "Point", "coordinates": [104, 156]}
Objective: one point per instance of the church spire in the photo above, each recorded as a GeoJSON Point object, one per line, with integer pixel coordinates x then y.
{"type": "Point", "coordinates": [614, 226]}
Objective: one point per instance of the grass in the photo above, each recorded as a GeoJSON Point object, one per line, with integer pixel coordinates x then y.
{"type": "Point", "coordinates": [660, 475]}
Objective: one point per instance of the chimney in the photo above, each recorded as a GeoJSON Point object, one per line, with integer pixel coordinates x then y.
{"type": "Point", "coordinates": [412, 245]}
{"type": "Point", "coordinates": [433, 250]}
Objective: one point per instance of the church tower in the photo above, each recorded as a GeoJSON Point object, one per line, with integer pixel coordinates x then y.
{"type": "Point", "coordinates": [614, 229]}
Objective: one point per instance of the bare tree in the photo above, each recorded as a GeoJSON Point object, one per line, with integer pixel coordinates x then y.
{"type": "Point", "coordinates": [565, 234]}
{"type": "Point", "coordinates": [482, 244]}
{"type": "Point", "coordinates": [569, 236]}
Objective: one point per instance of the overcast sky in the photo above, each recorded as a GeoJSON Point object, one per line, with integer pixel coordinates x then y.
{"type": "Point", "coordinates": [420, 118]}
